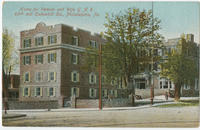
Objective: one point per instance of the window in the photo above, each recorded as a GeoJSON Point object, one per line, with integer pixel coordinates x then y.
{"type": "Point", "coordinates": [170, 84]}
{"type": "Point", "coordinates": [52, 58]}
{"type": "Point", "coordinates": [52, 39]}
{"type": "Point", "coordinates": [92, 92]}
{"type": "Point", "coordinates": [93, 44]}
{"type": "Point", "coordinates": [111, 92]}
{"type": "Point", "coordinates": [26, 92]}
{"type": "Point", "coordinates": [104, 93]}
{"type": "Point", "coordinates": [92, 78]}
{"type": "Point", "coordinates": [39, 59]}
{"type": "Point", "coordinates": [160, 84]}
{"type": "Point", "coordinates": [51, 76]}
{"type": "Point", "coordinates": [26, 60]}
{"type": "Point", "coordinates": [27, 43]}
{"type": "Point", "coordinates": [51, 91]}
{"type": "Point", "coordinates": [38, 41]}
{"type": "Point", "coordinates": [38, 91]}
{"type": "Point", "coordinates": [38, 76]}
{"type": "Point", "coordinates": [74, 76]}
{"type": "Point", "coordinates": [75, 92]}
{"type": "Point", "coordinates": [74, 59]}
{"type": "Point", "coordinates": [75, 40]}
{"type": "Point", "coordinates": [115, 93]}
{"type": "Point", "coordinates": [186, 87]}
{"type": "Point", "coordinates": [27, 77]}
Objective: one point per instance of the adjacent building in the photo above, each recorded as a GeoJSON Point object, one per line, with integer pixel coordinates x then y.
{"type": "Point", "coordinates": [193, 52]}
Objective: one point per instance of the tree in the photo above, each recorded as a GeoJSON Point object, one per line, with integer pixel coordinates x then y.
{"type": "Point", "coordinates": [131, 37]}
{"type": "Point", "coordinates": [181, 66]}
{"type": "Point", "coordinates": [7, 63]}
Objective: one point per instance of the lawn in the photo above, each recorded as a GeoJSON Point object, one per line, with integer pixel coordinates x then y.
{"type": "Point", "coordinates": [182, 103]}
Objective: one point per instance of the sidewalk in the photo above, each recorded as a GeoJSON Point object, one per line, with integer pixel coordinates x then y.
{"type": "Point", "coordinates": [145, 103]}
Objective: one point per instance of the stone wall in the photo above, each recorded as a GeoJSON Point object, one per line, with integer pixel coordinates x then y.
{"type": "Point", "coordinates": [87, 103]}
{"type": "Point", "coordinates": [94, 103]}
{"type": "Point", "coordinates": [33, 105]}
{"type": "Point", "coordinates": [118, 102]}
{"type": "Point", "coordinates": [145, 93]}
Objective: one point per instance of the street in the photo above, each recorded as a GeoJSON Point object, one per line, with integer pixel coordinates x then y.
{"type": "Point", "coordinates": [143, 117]}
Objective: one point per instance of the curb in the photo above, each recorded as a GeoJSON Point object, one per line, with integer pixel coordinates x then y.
{"type": "Point", "coordinates": [13, 116]}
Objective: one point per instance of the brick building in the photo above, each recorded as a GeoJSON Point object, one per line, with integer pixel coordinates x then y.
{"type": "Point", "coordinates": [51, 58]}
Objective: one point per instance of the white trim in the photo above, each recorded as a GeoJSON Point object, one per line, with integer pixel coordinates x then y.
{"type": "Point", "coordinates": [54, 46]}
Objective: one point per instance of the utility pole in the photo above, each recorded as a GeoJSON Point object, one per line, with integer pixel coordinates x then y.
{"type": "Point", "coordinates": [100, 70]}
{"type": "Point", "coordinates": [152, 77]}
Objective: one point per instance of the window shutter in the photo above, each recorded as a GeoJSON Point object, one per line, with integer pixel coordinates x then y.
{"type": "Point", "coordinates": [41, 76]}
{"type": "Point", "coordinates": [72, 91]}
{"type": "Point", "coordinates": [55, 57]}
{"type": "Point", "coordinates": [48, 58]}
{"type": "Point", "coordinates": [49, 39]}
{"type": "Point", "coordinates": [77, 92]}
{"type": "Point", "coordinates": [42, 59]}
{"type": "Point", "coordinates": [48, 77]}
{"type": "Point", "coordinates": [95, 79]}
{"type": "Point", "coordinates": [48, 92]}
{"type": "Point", "coordinates": [29, 91]}
{"type": "Point", "coordinates": [36, 42]}
{"type": "Point", "coordinates": [55, 38]}
{"type": "Point", "coordinates": [29, 42]}
{"type": "Point", "coordinates": [106, 93]}
{"type": "Point", "coordinates": [29, 59]}
{"type": "Point", "coordinates": [95, 93]}
{"type": "Point", "coordinates": [42, 41]}
{"type": "Point", "coordinates": [23, 77]}
{"type": "Point", "coordinates": [72, 58]}
{"type": "Point", "coordinates": [77, 59]}
{"type": "Point", "coordinates": [24, 44]}
{"type": "Point", "coordinates": [55, 76]}
{"type": "Point", "coordinates": [23, 92]}
{"type": "Point", "coordinates": [23, 60]}
{"type": "Point", "coordinates": [54, 91]}
{"type": "Point", "coordinates": [35, 59]}
{"type": "Point", "coordinates": [115, 93]}
{"type": "Point", "coordinates": [90, 92]}
{"type": "Point", "coordinates": [35, 92]}
{"type": "Point", "coordinates": [40, 91]}
{"type": "Point", "coordinates": [90, 78]}
{"type": "Point", "coordinates": [29, 77]}
{"type": "Point", "coordinates": [72, 77]}
{"type": "Point", "coordinates": [78, 77]}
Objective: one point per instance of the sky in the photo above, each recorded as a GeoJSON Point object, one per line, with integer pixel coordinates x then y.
{"type": "Point", "coordinates": [176, 17]}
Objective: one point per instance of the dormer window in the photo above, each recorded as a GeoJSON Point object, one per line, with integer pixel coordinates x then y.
{"type": "Point", "coordinates": [38, 41]}
{"type": "Point", "coordinates": [93, 44]}
{"type": "Point", "coordinates": [75, 40]}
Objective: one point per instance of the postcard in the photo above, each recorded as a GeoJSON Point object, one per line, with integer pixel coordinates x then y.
{"type": "Point", "coordinates": [100, 64]}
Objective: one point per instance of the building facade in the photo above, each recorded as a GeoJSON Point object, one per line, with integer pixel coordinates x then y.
{"type": "Point", "coordinates": [193, 51]}
{"type": "Point", "coordinates": [51, 58]}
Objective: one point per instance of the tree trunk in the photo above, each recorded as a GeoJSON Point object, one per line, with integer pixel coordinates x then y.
{"type": "Point", "coordinates": [132, 88]}
{"type": "Point", "coordinates": [177, 92]}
